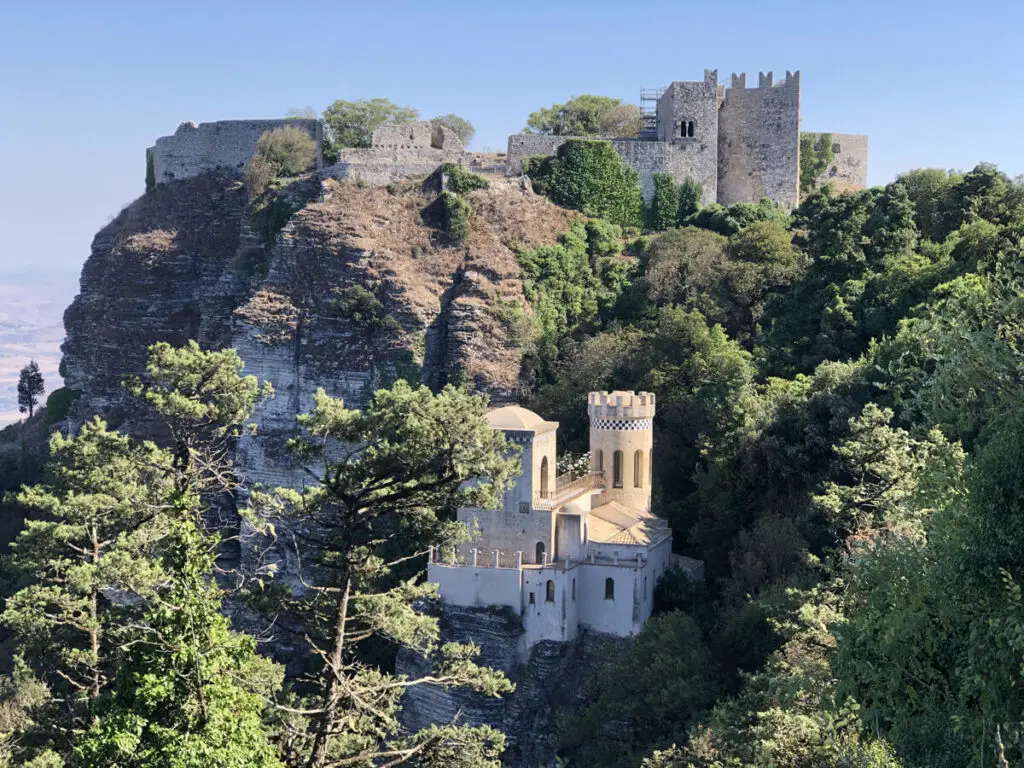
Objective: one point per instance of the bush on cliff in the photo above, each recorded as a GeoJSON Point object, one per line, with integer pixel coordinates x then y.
{"type": "Point", "coordinates": [456, 212]}
{"type": "Point", "coordinates": [589, 176]}
{"type": "Point", "coordinates": [279, 152]}
{"type": "Point", "coordinates": [461, 180]}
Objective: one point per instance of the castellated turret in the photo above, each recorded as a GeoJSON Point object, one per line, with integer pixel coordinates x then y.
{"type": "Point", "coordinates": [621, 444]}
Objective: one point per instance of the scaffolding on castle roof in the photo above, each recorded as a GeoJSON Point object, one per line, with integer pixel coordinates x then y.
{"type": "Point", "coordinates": [649, 113]}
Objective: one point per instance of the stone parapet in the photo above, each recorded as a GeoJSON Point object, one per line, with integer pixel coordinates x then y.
{"type": "Point", "coordinates": [620, 405]}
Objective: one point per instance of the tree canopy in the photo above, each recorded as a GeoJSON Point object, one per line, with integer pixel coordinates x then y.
{"type": "Point", "coordinates": [587, 115]}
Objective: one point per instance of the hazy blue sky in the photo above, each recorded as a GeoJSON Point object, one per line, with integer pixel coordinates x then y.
{"type": "Point", "coordinates": [88, 85]}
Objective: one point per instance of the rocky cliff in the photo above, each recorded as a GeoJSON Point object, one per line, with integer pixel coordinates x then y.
{"type": "Point", "coordinates": [357, 289]}
{"type": "Point", "coordinates": [548, 685]}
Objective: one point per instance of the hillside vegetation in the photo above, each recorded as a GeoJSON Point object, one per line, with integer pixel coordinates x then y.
{"type": "Point", "coordinates": [839, 433]}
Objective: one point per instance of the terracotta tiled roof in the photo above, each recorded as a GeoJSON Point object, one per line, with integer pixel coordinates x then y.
{"type": "Point", "coordinates": [614, 523]}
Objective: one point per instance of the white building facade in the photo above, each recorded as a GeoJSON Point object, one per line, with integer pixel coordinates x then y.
{"type": "Point", "coordinates": [573, 551]}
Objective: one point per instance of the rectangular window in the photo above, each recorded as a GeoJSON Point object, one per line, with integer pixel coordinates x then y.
{"type": "Point", "coordinates": [532, 600]}
{"type": "Point", "coordinates": [524, 507]}
{"type": "Point", "coordinates": [617, 469]}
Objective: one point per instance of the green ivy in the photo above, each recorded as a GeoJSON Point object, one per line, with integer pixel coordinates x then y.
{"type": "Point", "coordinates": [815, 157]}
{"type": "Point", "coordinates": [589, 176]}
{"type": "Point", "coordinates": [456, 213]}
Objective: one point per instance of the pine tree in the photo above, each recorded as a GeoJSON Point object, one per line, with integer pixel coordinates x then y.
{"type": "Point", "coordinates": [30, 387]}
{"type": "Point", "coordinates": [96, 529]}
{"type": "Point", "coordinates": [388, 477]}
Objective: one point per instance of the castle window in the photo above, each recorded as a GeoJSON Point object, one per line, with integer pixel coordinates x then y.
{"type": "Point", "coordinates": [617, 470]}
{"type": "Point", "coordinates": [638, 469]}
{"type": "Point", "coordinates": [609, 589]}
{"type": "Point", "coordinates": [544, 477]}
{"type": "Point", "coordinates": [549, 596]}
{"type": "Point", "coordinates": [600, 461]}
{"type": "Point", "coordinates": [650, 468]}
{"type": "Point", "coordinates": [524, 507]}
{"type": "Point", "coordinates": [540, 553]}
{"type": "Point", "coordinates": [682, 129]}
{"type": "Point", "coordinates": [645, 587]}
{"type": "Point", "coordinates": [574, 590]}
{"type": "Point", "coordinates": [689, 129]}
{"type": "Point", "coordinates": [532, 601]}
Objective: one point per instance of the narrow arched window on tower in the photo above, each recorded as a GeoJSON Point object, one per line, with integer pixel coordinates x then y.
{"type": "Point", "coordinates": [682, 129]}
{"type": "Point", "coordinates": [549, 596]}
{"type": "Point", "coordinates": [609, 589]}
{"type": "Point", "coordinates": [540, 553]}
{"type": "Point", "coordinates": [574, 590]}
{"type": "Point", "coordinates": [600, 461]}
{"type": "Point", "coordinates": [689, 129]}
{"type": "Point", "coordinates": [650, 468]}
{"type": "Point", "coordinates": [617, 469]}
{"type": "Point", "coordinates": [638, 469]}
{"type": "Point", "coordinates": [544, 477]}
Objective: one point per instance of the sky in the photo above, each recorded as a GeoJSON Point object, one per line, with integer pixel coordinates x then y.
{"type": "Point", "coordinates": [87, 86]}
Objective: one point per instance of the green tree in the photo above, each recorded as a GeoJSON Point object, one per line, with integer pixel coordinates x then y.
{"type": "Point", "coordinates": [189, 692]}
{"type": "Point", "coordinates": [459, 125]}
{"type": "Point", "coordinates": [587, 115]}
{"type": "Point", "coordinates": [691, 193]}
{"type": "Point", "coordinates": [385, 492]}
{"type": "Point", "coordinates": [652, 692]}
{"type": "Point", "coordinates": [815, 157]}
{"type": "Point", "coordinates": [664, 210]}
{"type": "Point", "coordinates": [96, 531]}
{"type": "Point", "coordinates": [352, 123]}
{"type": "Point", "coordinates": [30, 387]}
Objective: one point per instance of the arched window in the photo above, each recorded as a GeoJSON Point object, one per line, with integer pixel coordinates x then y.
{"type": "Point", "coordinates": [682, 129]}
{"type": "Point", "coordinates": [574, 590]}
{"type": "Point", "coordinates": [600, 461]}
{"type": "Point", "coordinates": [609, 589]}
{"type": "Point", "coordinates": [585, 539]}
{"type": "Point", "coordinates": [540, 552]}
{"type": "Point", "coordinates": [689, 129]}
{"type": "Point", "coordinates": [544, 477]}
{"type": "Point", "coordinates": [617, 469]}
{"type": "Point", "coordinates": [549, 595]}
{"type": "Point", "coordinates": [645, 587]}
{"type": "Point", "coordinates": [638, 469]}
{"type": "Point", "coordinates": [650, 468]}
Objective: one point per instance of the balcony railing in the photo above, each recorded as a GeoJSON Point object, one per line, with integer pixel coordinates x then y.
{"type": "Point", "coordinates": [568, 486]}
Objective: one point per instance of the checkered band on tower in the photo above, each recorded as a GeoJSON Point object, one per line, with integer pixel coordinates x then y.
{"type": "Point", "coordinates": [622, 423]}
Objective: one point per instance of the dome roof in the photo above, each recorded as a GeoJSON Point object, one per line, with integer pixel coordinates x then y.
{"type": "Point", "coordinates": [515, 417]}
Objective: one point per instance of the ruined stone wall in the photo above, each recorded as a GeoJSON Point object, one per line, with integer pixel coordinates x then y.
{"type": "Point", "coordinates": [378, 166]}
{"type": "Point", "coordinates": [849, 167]}
{"type": "Point", "coordinates": [682, 159]}
{"type": "Point", "coordinates": [759, 141]}
{"type": "Point", "coordinates": [194, 149]}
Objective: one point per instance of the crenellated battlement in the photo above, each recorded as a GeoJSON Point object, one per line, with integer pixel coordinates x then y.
{"type": "Point", "coordinates": [766, 80]}
{"type": "Point", "coordinates": [620, 405]}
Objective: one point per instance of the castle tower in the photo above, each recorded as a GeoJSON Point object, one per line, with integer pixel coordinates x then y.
{"type": "Point", "coordinates": [687, 117]}
{"type": "Point", "coordinates": [621, 443]}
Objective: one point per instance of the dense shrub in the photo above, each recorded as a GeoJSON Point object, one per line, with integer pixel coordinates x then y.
{"type": "Point", "coordinates": [289, 150]}
{"type": "Point", "coordinates": [59, 403]}
{"type": "Point", "coordinates": [456, 213]}
{"type": "Point", "coordinates": [730, 220]}
{"type": "Point", "coordinates": [589, 176]}
{"type": "Point", "coordinates": [460, 180]}
{"type": "Point", "coordinates": [664, 210]}
{"type": "Point", "coordinates": [690, 195]}
{"type": "Point", "coordinates": [363, 309]}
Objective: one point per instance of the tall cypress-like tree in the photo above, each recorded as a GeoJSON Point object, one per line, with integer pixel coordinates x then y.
{"type": "Point", "coordinates": [30, 387]}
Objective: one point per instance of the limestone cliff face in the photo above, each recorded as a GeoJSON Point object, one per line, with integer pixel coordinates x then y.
{"type": "Point", "coordinates": [356, 290]}
{"type": "Point", "coordinates": [549, 684]}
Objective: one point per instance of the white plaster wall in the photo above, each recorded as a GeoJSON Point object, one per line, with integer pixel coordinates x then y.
{"type": "Point", "coordinates": [614, 617]}
{"type": "Point", "coordinates": [477, 587]}
{"type": "Point", "coordinates": [556, 620]}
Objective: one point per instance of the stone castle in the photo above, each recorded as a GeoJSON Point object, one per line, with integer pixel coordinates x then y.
{"type": "Point", "coordinates": [568, 552]}
{"type": "Point", "coordinates": [741, 144]}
